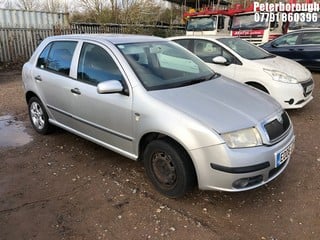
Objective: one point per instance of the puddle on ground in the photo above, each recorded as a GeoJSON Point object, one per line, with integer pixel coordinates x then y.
{"type": "Point", "coordinates": [12, 132]}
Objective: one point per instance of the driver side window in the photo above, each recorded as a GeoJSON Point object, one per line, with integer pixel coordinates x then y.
{"type": "Point", "coordinates": [208, 50]}
{"type": "Point", "coordinates": [96, 65]}
{"type": "Point", "coordinates": [288, 40]}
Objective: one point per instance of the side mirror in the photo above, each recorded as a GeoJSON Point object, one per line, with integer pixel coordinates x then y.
{"type": "Point", "coordinates": [111, 86]}
{"type": "Point", "coordinates": [220, 60]}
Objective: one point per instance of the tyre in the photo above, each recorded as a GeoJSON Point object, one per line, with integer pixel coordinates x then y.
{"type": "Point", "coordinates": [169, 168]}
{"type": "Point", "coordinates": [38, 116]}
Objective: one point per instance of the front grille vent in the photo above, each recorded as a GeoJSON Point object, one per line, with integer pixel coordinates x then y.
{"type": "Point", "coordinates": [278, 127]}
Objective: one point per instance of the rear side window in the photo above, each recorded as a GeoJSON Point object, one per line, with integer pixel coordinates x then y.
{"type": "Point", "coordinates": [96, 65]}
{"type": "Point", "coordinates": [310, 38]}
{"type": "Point", "coordinates": [57, 57]}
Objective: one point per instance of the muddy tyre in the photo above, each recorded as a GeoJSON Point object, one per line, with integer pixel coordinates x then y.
{"type": "Point", "coordinates": [38, 116]}
{"type": "Point", "coordinates": [169, 168]}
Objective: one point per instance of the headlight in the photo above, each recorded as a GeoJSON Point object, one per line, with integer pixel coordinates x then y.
{"type": "Point", "coordinates": [249, 137]}
{"type": "Point", "coordinates": [281, 76]}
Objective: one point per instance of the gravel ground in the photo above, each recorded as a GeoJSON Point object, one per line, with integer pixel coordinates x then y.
{"type": "Point", "coordinates": [60, 186]}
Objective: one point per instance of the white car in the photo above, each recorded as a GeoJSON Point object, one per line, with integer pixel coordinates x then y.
{"type": "Point", "coordinates": [288, 82]}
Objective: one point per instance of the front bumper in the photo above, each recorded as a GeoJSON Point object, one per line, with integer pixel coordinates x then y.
{"type": "Point", "coordinates": [219, 167]}
{"type": "Point", "coordinates": [292, 96]}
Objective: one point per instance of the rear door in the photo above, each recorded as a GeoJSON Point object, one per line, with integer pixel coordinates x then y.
{"type": "Point", "coordinates": [309, 49]}
{"type": "Point", "coordinates": [287, 46]}
{"type": "Point", "coordinates": [52, 77]}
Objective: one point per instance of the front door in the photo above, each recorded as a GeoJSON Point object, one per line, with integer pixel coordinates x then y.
{"type": "Point", "coordinates": [105, 117]}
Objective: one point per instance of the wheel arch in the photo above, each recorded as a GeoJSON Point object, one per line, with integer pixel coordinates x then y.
{"type": "Point", "coordinates": [258, 86]}
{"type": "Point", "coordinates": [149, 137]}
{"type": "Point", "coordinates": [40, 118]}
{"type": "Point", "coordinates": [31, 94]}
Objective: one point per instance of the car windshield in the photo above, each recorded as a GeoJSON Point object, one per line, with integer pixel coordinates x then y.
{"type": "Point", "coordinates": [162, 65]}
{"type": "Point", "coordinates": [247, 22]}
{"type": "Point", "coordinates": [202, 24]}
{"type": "Point", "coordinates": [245, 49]}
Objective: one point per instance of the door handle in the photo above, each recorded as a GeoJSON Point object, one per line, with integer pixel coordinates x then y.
{"type": "Point", "coordinates": [38, 78]}
{"type": "Point", "coordinates": [76, 91]}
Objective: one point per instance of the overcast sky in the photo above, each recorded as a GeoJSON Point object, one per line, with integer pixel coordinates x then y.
{"type": "Point", "coordinates": [12, 3]}
{"type": "Point", "coordinates": [73, 4]}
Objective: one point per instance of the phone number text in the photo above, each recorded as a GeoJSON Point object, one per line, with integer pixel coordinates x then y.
{"type": "Point", "coordinates": [286, 17]}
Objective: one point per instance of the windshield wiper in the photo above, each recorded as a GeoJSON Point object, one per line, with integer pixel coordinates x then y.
{"type": "Point", "coordinates": [185, 83]}
{"type": "Point", "coordinates": [198, 80]}
{"type": "Point", "coordinates": [258, 27]}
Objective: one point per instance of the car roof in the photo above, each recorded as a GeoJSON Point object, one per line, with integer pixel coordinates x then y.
{"type": "Point", "coordinates": [306, 30]}
{"type": "Point", "coordinates": [210, 37]}
{"type": "Point", "coordinates": [113, 38]}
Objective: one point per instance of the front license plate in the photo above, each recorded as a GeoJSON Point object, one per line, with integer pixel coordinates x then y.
{"type": "Point", "coordinates": [284, 154]}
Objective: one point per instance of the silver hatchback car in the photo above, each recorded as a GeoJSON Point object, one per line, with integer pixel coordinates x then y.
{"type": "Point", "coordinates": [150, 99]}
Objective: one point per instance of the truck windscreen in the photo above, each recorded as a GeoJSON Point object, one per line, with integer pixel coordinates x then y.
{"type": "Point", "coordinates": [247, 22]}
{"type": "Point", "coordinates": [202, 24]}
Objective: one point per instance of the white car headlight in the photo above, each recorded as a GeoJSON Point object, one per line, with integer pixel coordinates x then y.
{"type": "Point", "coordinates": [249, 137]}
{"type": "Point", "coordinates": [281, 76]}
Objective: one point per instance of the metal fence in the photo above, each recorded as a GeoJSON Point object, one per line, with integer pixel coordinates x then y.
{"type": "Point", "coordinates": [14, 18]}
{"type": "Point", "coordinates": [17, 44]}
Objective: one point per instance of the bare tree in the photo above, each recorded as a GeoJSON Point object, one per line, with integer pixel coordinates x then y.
{"type": "Point", "coordinates": [53, 5]}
{"type": "Point", "coordinates": [6, 4]}
{"type": "Point", "coordinates": [28, 4]}
{"type": "Point", "coordinates": [128, 7]}
{"type": "Point", "coordinates": [41, 5]}
{"type": "Point", "coordinates": [141, 11]}
{"type": "Point", "coordinates": [119, 11]}
{"type": "Point", "coordinates": [96, 5]}
{"type": "Point", "coordinates": [114, 9]}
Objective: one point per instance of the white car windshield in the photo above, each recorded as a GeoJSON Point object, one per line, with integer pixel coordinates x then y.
{"type": "Point", "coordinates": [162, 65]}
{"type": "Point", "coordinates": [245, 49]}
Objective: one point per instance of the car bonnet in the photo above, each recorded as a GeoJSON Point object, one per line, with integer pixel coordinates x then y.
{"type": "Point", "coordinates": [221, 104]}
{"type": "Point", "coordinates": [287, 66]}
